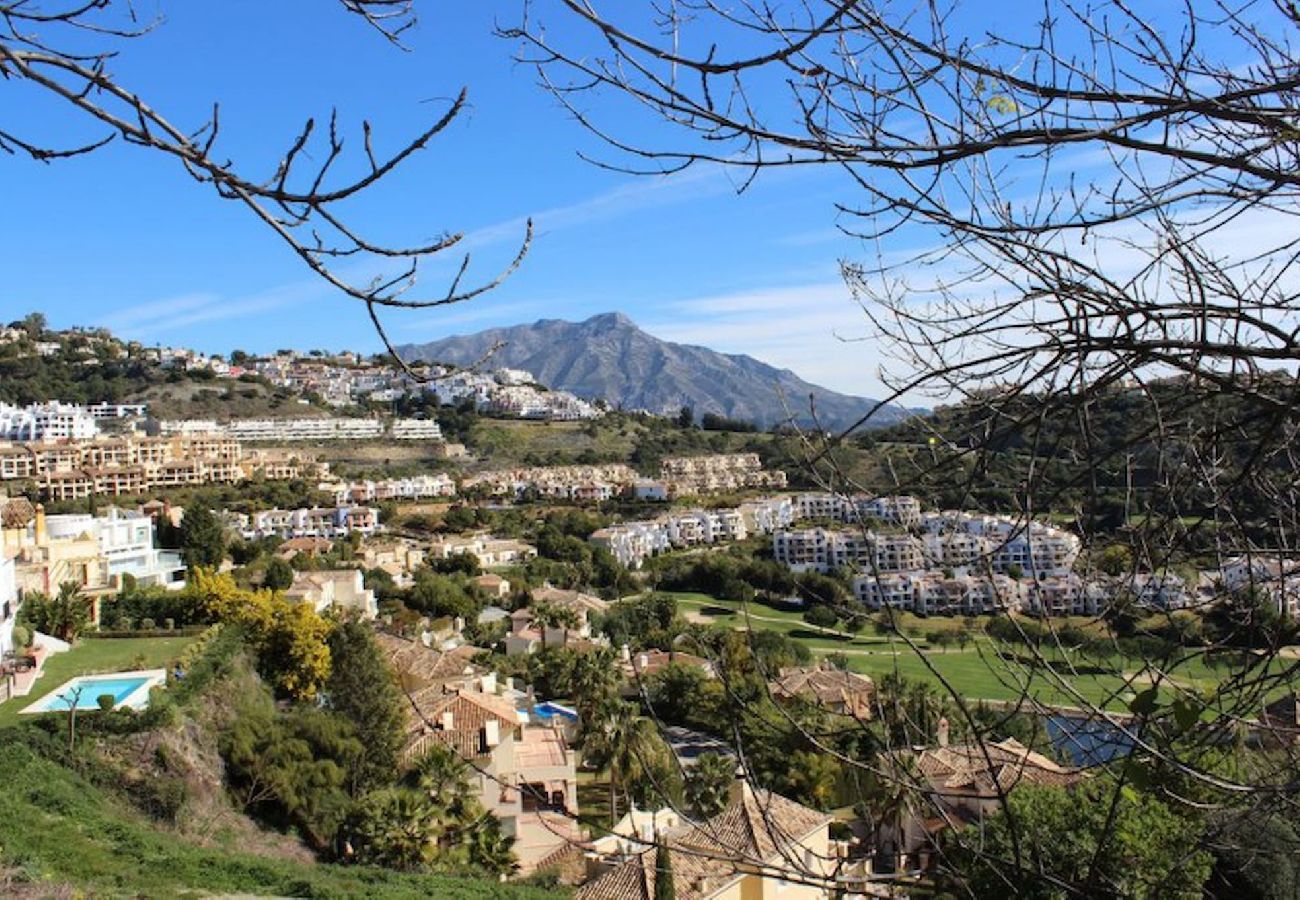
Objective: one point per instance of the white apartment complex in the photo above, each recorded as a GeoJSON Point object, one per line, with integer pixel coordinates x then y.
{"type": "Point", "coordinates": [326, 522]}
{"type": "Point", "coordinates": [416, 487]}
{"type": "Point", "coordinates": [329, 428]}
{"type": "Point", "coordinates": [415, 430]}
{"type": "Point", "coordinates": [489, 551]}
{"type": "Point", "coordinates": [53, 421]}
{"type": "Point", "coordinates": [632, 543]}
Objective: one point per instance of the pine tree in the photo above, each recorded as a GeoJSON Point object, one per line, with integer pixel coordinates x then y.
{"type": "Point", "coordinates": [362, 688]}
{"type": "Point", "coordinates": [203, 538]}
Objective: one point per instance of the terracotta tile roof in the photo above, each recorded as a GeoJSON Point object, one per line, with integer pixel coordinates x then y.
{"type": "Point", "coordinates": [655, 661]}
{"type": "Point", "coordinates": [827, 687]}
{"type": "Point", "coordinates": [970, 769]}
{"type": "Point", "coordinates": [414, 661]}
{"type": "Point", "coordinates": [761, 827]}
{"type": "Point", "coordinates": [16, 512]}
{"type": "Point", "coordinates": [470, 712]}
{"type": "Point", "coordinates": [575, 600]}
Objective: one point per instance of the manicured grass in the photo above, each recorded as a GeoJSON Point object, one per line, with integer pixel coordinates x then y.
{"type": "Point", "coordinates": [56, 827]}
{"type": "Point", "coordinates": [91, 656]}
{"type": "Point", "coordinates": [977, 672]}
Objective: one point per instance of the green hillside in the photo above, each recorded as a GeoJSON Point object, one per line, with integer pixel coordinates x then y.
{"type": "Point", "coordinates": [58, 828]}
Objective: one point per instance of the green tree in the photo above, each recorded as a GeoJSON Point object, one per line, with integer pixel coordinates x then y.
{"type": "Point", "coordinates": [203, 537]}
{"type": "Point", "coordinates": [279, 574]}
{"type": "Point", "coordinates": [629, 747]}
{"type": "Point", "coordinates": [1137, 849]}
{"type": "Point", "coordinates": [812, 778]}
{"type": "Point", "coordinates": [362, 689]}
{"type": "Point", "coordinates": [397, 828]}
{"type": "Point", "coordinates": [1116, 559]}
{"type": "Point", "coordinates": [665, 884]}
{"type": "Point", "coordinates": [291, 769]}
{"type": "Point", "coordinates": [64, 616]}
{"type": "Point", "coordinates": [708, 783]}
{"type": "Point", "coordinates": [550, 616]}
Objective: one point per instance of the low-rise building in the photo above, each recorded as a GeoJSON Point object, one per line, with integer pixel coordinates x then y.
{"type": "Point", "coordinates": [686, 475]}
{"type": "Point", "coordinates": [8, 603]}
{"type": "Point", "coordinates": [489, 551]}
{"type": "Point", "coordinates": [761, 847]}
{"type": "Point", "coordinates": [833, 690]}
{"type": "Point", "coordinates": [525, 775]}
{"type": "Point", "coordinates": [51, 421]}
{"type": "Point", "coordinates": [342, 590]}
{"type": "Point", "coordinates": [959, 786]}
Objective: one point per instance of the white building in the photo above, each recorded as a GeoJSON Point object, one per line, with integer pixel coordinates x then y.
{"type": "Point", "coordinates": [326, 522]}
{"type": "Point", "coordinates": [126, 542]}
{"type": "Point", "coordinates": [8, 604]}
{"type": "Point", "coordinates": [632, 543]}
{"type": "Point", "coordinates": [415, 430]}
{"type": "Point", "coordinates": [337, 589]}
{"type": "Point", "coordinates": [189, 426]}
{"type": "Point", "coordinates": [46, 422]}
{"type": "Point", "coordinates": [319, 429]}
{"type": "Point", "coordinates": [117, 410]}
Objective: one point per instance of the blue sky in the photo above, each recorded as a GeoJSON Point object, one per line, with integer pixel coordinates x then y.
{"type": "Point", "coordinates": [124, 239]}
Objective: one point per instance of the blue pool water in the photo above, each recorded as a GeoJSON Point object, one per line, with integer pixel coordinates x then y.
{"type": "Point", "coordinates": [120, 687]}
{"type": "Point", "coordinates": [1087, 742]}
{"type": "Point", "coordinates": [545, 712]}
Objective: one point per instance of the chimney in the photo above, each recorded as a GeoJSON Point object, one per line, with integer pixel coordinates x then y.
{"type": "Point", "coordinates": [459, 624]}
{"type": "Point", "coordinates": [448, 721]}
{"type": "Point", "coordinates": [943, 731]}
{"type": "Point", "coordinates": [41, 535]}
{"type": "Point", "coordinates": [642, 661]}
{"type": "Point", "coordinates": [491, 732]}
{"type": "Point", "coordinates": [626, 653]}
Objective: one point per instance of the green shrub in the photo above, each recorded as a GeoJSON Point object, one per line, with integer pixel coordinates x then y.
{"type": "Point", "coordinates": [106, 702]}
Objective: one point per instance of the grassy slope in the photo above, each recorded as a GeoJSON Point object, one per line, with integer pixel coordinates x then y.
{"type": "Point", "coordinates": [90, 657]}
{"type": "Point", "coordinates": [57, 827]}
{"type": "Point", "coordinates": [977, 672]}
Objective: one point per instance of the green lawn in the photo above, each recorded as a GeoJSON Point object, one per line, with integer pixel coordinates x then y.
{"type": "Point", "coordinates": [89, 657]}
{"type": "Point", "coordinates": [977, 672]}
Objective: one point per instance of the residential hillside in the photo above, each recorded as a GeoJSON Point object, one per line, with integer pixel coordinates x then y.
{"type": "Point", "coordinates": [610, 358]}
{"type": "Point", "coordinates": [143, 807]}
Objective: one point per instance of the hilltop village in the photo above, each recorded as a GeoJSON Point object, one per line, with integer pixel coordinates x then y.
{"type": "Point", "coordinates": [561, 632]}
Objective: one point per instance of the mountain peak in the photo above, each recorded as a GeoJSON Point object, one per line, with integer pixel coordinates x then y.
{"type": "Point", "coordinates": [609, 320]}
{"type": "Point", "coordinates": [598, 358]}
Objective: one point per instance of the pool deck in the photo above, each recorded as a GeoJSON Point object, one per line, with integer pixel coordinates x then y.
{"type": "Point", "coordinates": [137, 699]}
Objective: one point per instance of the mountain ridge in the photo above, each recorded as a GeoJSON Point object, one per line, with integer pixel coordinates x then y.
{"type": "Point", "coordinates": [608, 356]}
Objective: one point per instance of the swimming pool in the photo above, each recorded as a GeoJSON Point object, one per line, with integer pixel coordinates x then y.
{"type": "Point", "coordinates": [128, 689]}
{"type": "Point", "coordinates": [546, 712]}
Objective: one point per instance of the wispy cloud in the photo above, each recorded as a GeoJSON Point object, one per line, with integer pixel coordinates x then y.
{"type": "Point", "coordinates": [639, 192]}
{"type": "Point", "coordinates": [159, 317]}
{"type": "Point", "coordinates": [813, 329]}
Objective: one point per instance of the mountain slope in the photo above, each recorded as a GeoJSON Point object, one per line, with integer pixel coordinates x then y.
{"type": "Point", "coordinates": [609, 357]}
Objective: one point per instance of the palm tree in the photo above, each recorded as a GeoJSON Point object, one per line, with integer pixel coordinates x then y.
{"type": "Point", "coordinates": [489, 848]}
{"type": "Point", "coordinates": [68, 612]}
{"type": "Point", "coordinates": [550, 615]}
{"type": "Point", "coordinates": [708, 784]}
{"type": "Point", "coordinates": [595, 680]}
{"type": "Point", "coordinates": [629, 746]}
{"type": "Point", "coordinates": [396, 828]}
